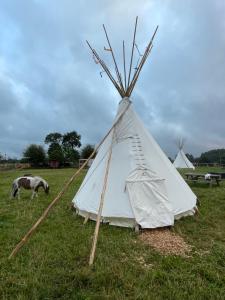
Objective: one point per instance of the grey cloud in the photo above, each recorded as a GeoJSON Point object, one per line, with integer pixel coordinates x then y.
{"type": "Point", "coordinates": [51, 82]}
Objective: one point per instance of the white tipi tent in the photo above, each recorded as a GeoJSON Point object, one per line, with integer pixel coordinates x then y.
{"type": "Point", "coordinates": [143, 186]}
{"type": "Point", "coordinates": [181, 160]}
{"type": "Point", "coordinates": [131, 181]}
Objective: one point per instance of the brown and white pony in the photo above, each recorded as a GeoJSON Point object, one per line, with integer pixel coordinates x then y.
{"type": "Point", "coordinates": [29, 183]}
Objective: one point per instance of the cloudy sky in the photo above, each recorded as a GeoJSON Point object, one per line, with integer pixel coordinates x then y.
{"type": "Point", "coordinates": [49, 81]}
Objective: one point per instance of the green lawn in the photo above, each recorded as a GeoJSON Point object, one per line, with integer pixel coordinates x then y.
{"type": "Point", "coordinates": [54, 263]}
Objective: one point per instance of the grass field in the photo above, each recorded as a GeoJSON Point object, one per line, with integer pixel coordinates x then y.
{"type": "Point", "coordinates": [54, 263]}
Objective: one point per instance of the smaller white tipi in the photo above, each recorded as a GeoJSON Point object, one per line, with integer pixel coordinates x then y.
{"type": "Point", "coordinates": [181, 160]}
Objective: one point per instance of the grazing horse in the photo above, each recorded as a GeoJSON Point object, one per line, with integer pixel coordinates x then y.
{"type": "Point", "coordinates": [29, 183]}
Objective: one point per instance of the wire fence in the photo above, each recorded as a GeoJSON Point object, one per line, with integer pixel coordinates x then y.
{"type": "Point", "coordinates": [209, 165]}
{"type": "Point", "coordinates": [17, 166]}
{"type": "Point", "coordinates": [12, 166]}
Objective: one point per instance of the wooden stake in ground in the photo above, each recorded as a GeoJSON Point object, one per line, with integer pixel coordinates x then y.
{"type": "Point", "coordinates": [95, 237]}
{"type": "Point", "coordinates": [45, 214]}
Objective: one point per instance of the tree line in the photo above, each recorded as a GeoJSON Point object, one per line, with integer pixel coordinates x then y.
{"type": "Point", "coordinates": [66, 148]}
{"type": "Point", "coordinates": [62, 148]}
{"type": "Point", "coordinates": [212, 156]}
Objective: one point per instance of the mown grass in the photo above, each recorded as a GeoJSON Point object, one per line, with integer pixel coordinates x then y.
{"type": "Point", "coordinates": [54, 263]}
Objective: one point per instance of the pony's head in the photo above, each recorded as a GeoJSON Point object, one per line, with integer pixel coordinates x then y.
{"type": "Point", "coordinates": [46, 186]}
{"type": "Point", "coordinates": [47, 189]}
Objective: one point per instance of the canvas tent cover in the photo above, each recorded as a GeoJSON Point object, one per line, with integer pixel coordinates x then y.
{"type": "Point", "coordinates": [143, 186]}
{"type": "Point", "coordinates": [182, 161]}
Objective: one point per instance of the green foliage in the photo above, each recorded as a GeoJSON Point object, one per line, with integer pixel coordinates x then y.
{"type": "Point", "coordinates": [55, 152]}
{"type": "Point", "coordinates": [71, 140]}
{"type": "Point", "coordinates": [71, 155]}
{"type": "Point", "coordinates": [63, 147]}
{"type": "Point", "coordinates": [54, 262]}
{"type": "Point", "coordinates": [213, 156]}
{"type": "Point", "coordinates": [86, 151]}
{"type": "Point", "coordinates": [55, 137]}
{"type": "Point", "coordinates": [35, 155]}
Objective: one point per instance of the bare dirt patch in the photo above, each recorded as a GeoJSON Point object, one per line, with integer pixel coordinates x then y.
{"type": "Point", "coordinates": [166, 242]}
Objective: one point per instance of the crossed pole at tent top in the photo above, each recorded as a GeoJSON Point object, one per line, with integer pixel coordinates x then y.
{"type": "Point", "coordinates": [124, 85]}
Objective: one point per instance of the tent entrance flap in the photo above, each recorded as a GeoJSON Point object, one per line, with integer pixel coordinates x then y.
{"type": "Point", "coordinates": [148, 197]}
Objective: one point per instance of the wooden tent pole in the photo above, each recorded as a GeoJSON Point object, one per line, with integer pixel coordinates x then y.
{"type": "Point", "coordinates": [144, 57]}
{"type": "Point", "coordinates": [95, 237]}
{"type": "Point", "coordinates": [45, 213]}
{"type": "Point", "coordinates": [132, 51]}
{"type": "Point", "coordinates": [124, 67]}
{"type": "Point", "coordinates": [114, 60]}
{"type": "Point", "coordinates": [105, 68]}
{"type": "Point", "coordinates": [138, 70]}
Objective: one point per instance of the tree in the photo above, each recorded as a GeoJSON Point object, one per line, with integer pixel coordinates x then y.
{"type": "Point", "coordinates": [34, 154]}
{"type": "Point", "coordinates": [71, 141]}
{"type": "Point", "coordinates": [55, 152]}
{"type": "Point", "coordinates": [213, 156]}
{"type": "Point", "coordinates": [55, 137]}
{"type": "Point", "coordinates": [63, 147]}
{"type": "Point", "coordinates": [71, 154]}
{"type": "Point", "coordinates": [86, 151]}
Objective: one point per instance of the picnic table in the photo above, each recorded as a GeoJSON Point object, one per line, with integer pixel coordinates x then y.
{"type": "Point", "coordinates": [199, 177]}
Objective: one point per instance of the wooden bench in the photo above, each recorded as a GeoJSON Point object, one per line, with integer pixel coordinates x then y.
{"type": "Point", "coordinates": [197, 177]}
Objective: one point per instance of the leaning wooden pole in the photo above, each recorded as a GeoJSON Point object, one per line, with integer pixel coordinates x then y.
{"type": "Point", "coordinates": [132, 51]}
{"type": "Point", "coordinates": [142, 62]}
{"type": "Point", "coordinates": [124, 67]}
{"type": "Point", "coordinates": [105, 68]}
{"type": "Point", "coordinates": [45, 214]}
{"type": "Point", "coordinates": [114, 60]}
{"type": "Point", "coordinates": [95, 237]}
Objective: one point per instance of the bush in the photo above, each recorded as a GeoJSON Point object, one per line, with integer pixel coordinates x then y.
{"type": "Point", "coordinates": [35, 155]}
{"type": "Point", "coordinates": [86, 151]}
{"type": "Point", "coordinates": [55, 153]}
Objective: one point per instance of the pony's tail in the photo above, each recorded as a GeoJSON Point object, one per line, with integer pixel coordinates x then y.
{"type": "Point", "coordinates": [14, 190]}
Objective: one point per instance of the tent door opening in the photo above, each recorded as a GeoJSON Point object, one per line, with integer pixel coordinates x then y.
{"type": "Point", "coordinates": [148, 197]}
